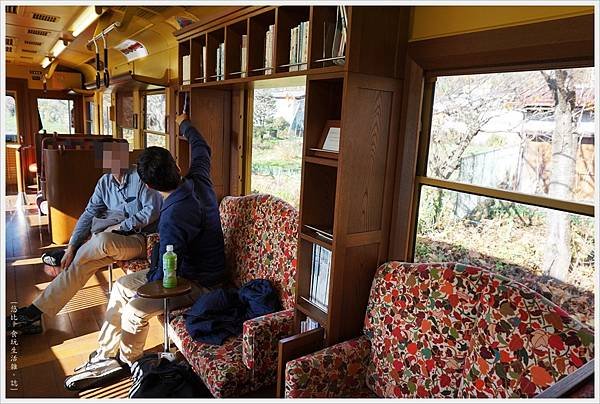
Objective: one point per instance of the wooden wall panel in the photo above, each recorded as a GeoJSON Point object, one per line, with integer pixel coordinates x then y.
{"type": "Point", "coordinates": [212, 117]}
{"type": "Point", "coordinates": [369, 137]}
{"type": "Point", "coordinates": [361, 264]}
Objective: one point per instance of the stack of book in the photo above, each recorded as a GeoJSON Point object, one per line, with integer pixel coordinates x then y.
{"type": "Point", "coordinates": [299, 47]}
{"type": "Point", "coordinates": [185, 79]}
{"type": "Point", "coordinates": [244, 56]}
{"type": "Point", "coordinates": [319, 282]}
{"type": "Point", "coordinates": [269, 49]}
{"type": "Point", "coordinates": [221, 61]}
{"type": "Point", "coordinates": [308, 324]}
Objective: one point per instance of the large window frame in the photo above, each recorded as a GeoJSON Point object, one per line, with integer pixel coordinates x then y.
{"type": "Point", "coordinates": [13, 95]}
{"type": "Point", "coordinates": [246, 158]}
{"type": "Point", "coordinates": [145, 130]}
{"type": "Point", "coordinates": [422, 179]}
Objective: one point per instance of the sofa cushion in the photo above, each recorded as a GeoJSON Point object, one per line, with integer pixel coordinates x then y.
{"type": "Point", "coordinates": [522, 343]}
{"type": "Point", "coordinates": [419, 319]}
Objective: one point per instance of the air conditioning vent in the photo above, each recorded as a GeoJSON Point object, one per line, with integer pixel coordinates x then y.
{"type": "Point", "coordinates": [145, 14]}
{"type": "Point", "coordinates": [26, 57]}
{"type": "Point", "coordinates": [9, 49]}
{"type": "Point", "coordinates": [28, 51]}
{"type": "Point", "coordinates": [9, 41]}
{"type": "Point", "coordinates": [37, 78]}
{"type": "Point", "coordinates": [35, 72]}
{"type": "Point", "coordinates": [39, 32]}
{"type": "Point", "coordinates": [33, 43]}
{"type": "Point", "coordinates": [45, 17]}
{"type": "Point", "coordinates": [11, 9]}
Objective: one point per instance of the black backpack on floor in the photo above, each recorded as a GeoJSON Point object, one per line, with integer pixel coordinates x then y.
{"type": "Point", "coordinates": [155, 377]}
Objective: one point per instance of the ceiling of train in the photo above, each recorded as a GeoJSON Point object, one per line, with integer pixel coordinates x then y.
{"type": "Point", "coordinates": [33, 31]}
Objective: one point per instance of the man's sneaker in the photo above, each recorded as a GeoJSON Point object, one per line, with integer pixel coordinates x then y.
{"type": "Point", "coordinates": [53, 258]}
{"type": "Point", "coordinates": [97, 374]}
{"type": "Point", "coordinates": [22, 324]}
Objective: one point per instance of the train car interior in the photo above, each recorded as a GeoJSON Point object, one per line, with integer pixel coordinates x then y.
{"type": "Point", "coordinates": [304, 200]}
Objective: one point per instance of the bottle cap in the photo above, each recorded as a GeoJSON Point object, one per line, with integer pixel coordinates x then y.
{"type": "Point", "coordinates": [170, 247]}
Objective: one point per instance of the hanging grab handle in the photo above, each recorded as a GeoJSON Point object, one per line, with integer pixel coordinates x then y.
{"type": "Point", "coordinates": [97, 66]}
{"type": "Point", "coordinates": [106, 75]}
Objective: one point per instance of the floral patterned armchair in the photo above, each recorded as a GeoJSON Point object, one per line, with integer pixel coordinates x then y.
{"type": "Point", "coordinates": [139, 264]}
{"type": "Point", "coordinates": [447, 330]}
{"type": "Point", "coordinates": [261, 237]}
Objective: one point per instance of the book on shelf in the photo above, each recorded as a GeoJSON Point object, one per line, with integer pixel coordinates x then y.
{"type": "Point", "coordinates": [218, 63]}
{"type": "Point", "coordinates": [299, 47]}
{"type": "Point", "coordinates": [293, 36]}
{"type": "Point", "coordinates": [244, 56]}
{"type": "Point", "coordinates": [269, 49]}
{"type": "Point", "coordinates": [308, 324]}
{"type": "Point", "coordinates": [204, 63]}
{"type": "Point", "coordinates": [319, 278]}
{"type": "Point", "coordinates": [339, 36]}
{"type": "Point", "coordinates": [222, 67]}
{"type": "Point", "coordinates": [221, 62]}
{"type": "Point", "coordinates": [185, 74]}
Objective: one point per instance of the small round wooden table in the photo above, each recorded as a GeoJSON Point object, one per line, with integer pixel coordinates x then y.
{"type": "Point", "coordinates": [155, 290]}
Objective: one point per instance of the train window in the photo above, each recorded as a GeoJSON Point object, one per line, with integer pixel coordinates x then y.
{"type": "Point", "coordinates": [10, 126]}
{"type": "Point", "coordinates": [106, 123]}
{"type": "Point", "coordinates": [56, 115]}
{"type": "Point", "coordinates": [509, 179]}
{"type": "Point", "coordinates": [155, 117]}
{"type": "Point", "coordinates": [129, 135]}
{"type": "Point", "coordinates": [89, 115]}
{"type": "Point", "coordinates": [277, 135]}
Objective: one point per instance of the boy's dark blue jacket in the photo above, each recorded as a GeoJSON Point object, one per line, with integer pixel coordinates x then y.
{"type": "Point", "coordinates": [190, 221]}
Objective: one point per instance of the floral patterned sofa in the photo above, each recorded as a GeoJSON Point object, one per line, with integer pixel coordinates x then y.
{"type": "Point", "coordinates": [447, 330]}
{"type": "Point", "coordinates": [261, 237]}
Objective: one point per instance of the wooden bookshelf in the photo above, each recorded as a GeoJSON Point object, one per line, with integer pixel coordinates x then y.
{"type": "Point", "coordinates": [233, 49]}
{"type": "Point", "coordinates": [346, 194]}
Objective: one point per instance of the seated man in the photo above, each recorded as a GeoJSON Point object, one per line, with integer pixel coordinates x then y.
{"type": "Point", "coordinates": [190, 222]}
{"type": "Point", "coordinates": [120, 209]}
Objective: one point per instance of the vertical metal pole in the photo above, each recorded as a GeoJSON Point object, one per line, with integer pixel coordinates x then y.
{"type": "Point", "coordinates": [167, 344]}
{"type": "Point", "coordinates": [110, 278]}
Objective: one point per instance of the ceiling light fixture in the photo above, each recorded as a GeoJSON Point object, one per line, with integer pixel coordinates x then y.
{"type": "Point", "coordinates": [58, 48]}
{"type": "Point", "coordinates": [87, 17]}
{"type": "Point", "coordinates": [46, 62]}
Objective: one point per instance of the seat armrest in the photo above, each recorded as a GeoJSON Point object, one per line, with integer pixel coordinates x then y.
{"type": "Point", "coordinates": [151, 240]}
{"type": "Point", "coordinates": [336, 371]}
{"type": "Point", "coordinates": [261, 337]}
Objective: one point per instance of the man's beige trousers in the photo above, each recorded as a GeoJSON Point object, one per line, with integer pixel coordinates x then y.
{"type": "Point", "coordinates": [127, 316]}
{"type": "Point", "coordinates": [100, 250]}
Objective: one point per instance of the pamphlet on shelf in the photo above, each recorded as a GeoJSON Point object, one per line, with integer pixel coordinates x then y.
{"type": "Point", "coordinates": [185, 76]}
{"type": "Point", "coordinates": [244, 56]}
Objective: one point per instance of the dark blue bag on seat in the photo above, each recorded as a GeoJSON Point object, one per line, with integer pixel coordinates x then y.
{"type": "Point", "coordinates": [154, 377]}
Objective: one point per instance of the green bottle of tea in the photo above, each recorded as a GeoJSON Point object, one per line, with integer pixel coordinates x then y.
{"type": "Point", "coordinates": [169, 268]}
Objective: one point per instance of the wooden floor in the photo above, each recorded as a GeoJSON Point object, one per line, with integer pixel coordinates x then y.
{"type": "Point", "coordinates": [44, 361]}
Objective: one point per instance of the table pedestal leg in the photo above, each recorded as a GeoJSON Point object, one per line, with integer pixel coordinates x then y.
{"type": "Point", "coordinates": [167, 344]}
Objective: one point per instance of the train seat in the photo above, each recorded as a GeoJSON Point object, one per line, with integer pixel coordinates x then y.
{"type": "Point", "coordinates": [261, 235]}
{"type": "Point", "coordinates": [447, 330]}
